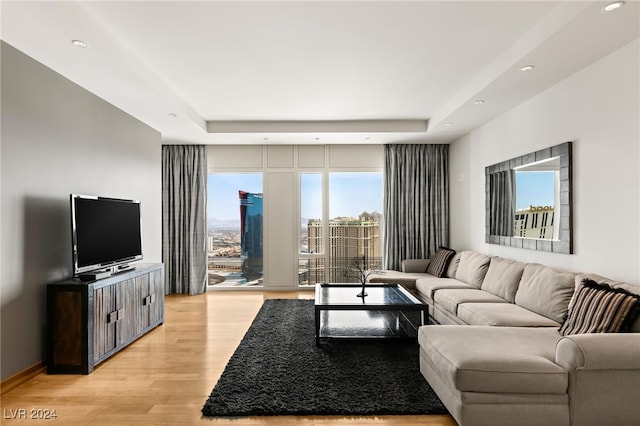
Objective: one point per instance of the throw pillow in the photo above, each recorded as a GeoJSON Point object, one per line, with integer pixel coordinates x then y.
{"type": "Point", "coordinates": [439, 262]}
{"type": "Point", "coordinates": [599, 308]}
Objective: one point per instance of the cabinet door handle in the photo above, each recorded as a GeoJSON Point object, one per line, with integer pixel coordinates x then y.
{"type": "Point", "coordinates": [120, 314]}
{"type": "Point", "coordinates": [112, 317]}
{"type": "Point", "coordinates": [148, 300]}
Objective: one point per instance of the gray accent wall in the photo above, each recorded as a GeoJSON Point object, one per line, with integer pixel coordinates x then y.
{"type": "Point", "coordinates": [56, 139]}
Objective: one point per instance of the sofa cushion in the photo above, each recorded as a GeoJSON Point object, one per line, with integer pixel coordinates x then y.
{"type": "Point", "coordinates": [472, 268]}
{"type": "Point", "coordinates": [440, 261]}
{"type": "Point", "coordinates": [453, 265]}
{"type": "Point", "coordinates": [502, 314]}
{"type": "Point", "coordinates": [635, 327]}
{"type": "Point", "coordinates": [441, 316]}
{"type": "Point", "coordinates": [599, 308]}
{"type": "Point", "coordinates": [495, 359]}
{"type": "Point", "coordinates": [546, 291]}
{"type": "Point", "coordinates": [406, 279]}
{"type": "Point", "coordinates": [428, 286]}
{"type": "Point", "coordinates": [449, 299]}
{"type": "Point", "coordinates": [503, 277]}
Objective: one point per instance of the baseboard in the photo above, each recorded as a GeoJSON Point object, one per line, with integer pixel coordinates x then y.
{"type": "Point", "coordinates": [19, 378]}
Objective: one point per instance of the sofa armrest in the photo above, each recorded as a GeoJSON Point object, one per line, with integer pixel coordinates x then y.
{"type": "Point", "coordinates": [415, 265]}
{"type": "Point", "coordinates": [604, 372]}
{"type": "Point", "coordinates": [599, 351]}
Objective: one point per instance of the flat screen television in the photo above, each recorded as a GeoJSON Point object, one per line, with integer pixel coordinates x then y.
{"type": "Point", "coordinates": [106, 233]}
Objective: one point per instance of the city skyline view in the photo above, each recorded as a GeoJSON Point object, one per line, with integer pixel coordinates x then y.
{"type": "Point", "coordinates": [222, 202]}
{"type": "Point", "coordinates": [350, 195]}
{"type": "Point", "coordinates": [235, 229]}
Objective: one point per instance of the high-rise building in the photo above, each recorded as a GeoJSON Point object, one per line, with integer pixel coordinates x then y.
{"type": "Point", "coordinates": [251, 234]}
{"type": "Point", "coordinates": [353, 243]}
{"type": "Point", "coordinates": [535, 222]}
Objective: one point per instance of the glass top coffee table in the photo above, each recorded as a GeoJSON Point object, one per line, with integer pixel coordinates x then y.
{"type": "Point", "coordinates": [388, 311]}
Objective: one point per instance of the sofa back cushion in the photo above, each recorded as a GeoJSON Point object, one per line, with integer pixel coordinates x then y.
{"type": "Point", "coordinates": [472, 268]}
{"type": "Point", "coordinates": [545, 291]}
{"type": "Point", "coordinates": [453, 265]}
{"type": "Point", "coordinates": [503, 277]}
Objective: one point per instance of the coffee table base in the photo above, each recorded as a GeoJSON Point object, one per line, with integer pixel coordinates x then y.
{"type": "Point", "coordinates": [397, 317]}
{"type": "Point", "coordinates": [368, 324]}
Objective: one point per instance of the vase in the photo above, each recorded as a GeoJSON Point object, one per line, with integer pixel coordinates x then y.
{"type": "Point", "coordinates": [362, 292]}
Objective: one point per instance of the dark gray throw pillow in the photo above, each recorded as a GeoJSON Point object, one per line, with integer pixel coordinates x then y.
{"type": "Point", "coordinates": [598, 308]}
{"type": "Point", "coordinates": [439, 262]}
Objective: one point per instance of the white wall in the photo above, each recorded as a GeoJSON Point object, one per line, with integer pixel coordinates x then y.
{"type": "Point", "coordinates": [596, 108]}
{"type": "Point", "coordinates": [58, 139]}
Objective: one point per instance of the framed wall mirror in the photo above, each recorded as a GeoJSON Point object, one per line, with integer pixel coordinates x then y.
{"type": "Point", "coordinates": [529, 202]}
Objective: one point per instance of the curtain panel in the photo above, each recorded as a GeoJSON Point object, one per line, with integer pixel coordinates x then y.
{"type": "Point", "coordinates": [184, 218]}
{"type": "Point", "coordinates": [416, 201]}
{"type": "Point", "coordinates": [503, 204]}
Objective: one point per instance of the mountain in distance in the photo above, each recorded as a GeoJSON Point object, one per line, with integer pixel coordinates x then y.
{"type": "Point", "coordinates": [214, 224]}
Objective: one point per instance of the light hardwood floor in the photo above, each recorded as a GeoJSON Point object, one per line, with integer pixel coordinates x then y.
{"type": "Point", "coordinates": [164, 377]}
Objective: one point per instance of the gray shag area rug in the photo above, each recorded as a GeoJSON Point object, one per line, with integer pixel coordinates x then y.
{"type": "Point", "coordinates": [278, 370]}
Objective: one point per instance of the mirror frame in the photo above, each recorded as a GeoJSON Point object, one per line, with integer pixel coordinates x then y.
{"type": "Point", "coordinates": [565, 242]}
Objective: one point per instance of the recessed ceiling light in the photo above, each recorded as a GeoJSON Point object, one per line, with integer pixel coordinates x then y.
{"type": "Point", "coordinates": [448, 124]}
{"type": "Point", "coordinates": [79, 43]}
{"type": "Point", "coordinates": [613, 6]}
{"type": "Point", "coordinates": [478, 102]}
{"type": "Point", "coordinates": [526, 68]}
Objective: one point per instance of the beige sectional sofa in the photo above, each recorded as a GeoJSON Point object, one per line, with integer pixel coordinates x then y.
{"type": "Point", "coordinates": [494, 355]}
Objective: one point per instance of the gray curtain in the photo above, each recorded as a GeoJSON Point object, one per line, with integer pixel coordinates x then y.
{"type": "Point", "coordinates": [416, 202]}
{"type": "Point", "coordinates": [184, 218]}
{"type": "Point", "coordinates": [502, 205]}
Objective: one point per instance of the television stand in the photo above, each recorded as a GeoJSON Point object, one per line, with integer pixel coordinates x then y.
{"type": "Point", "coordinates": [123, 268]}
{"type": "Point", "coordinates": [89, 322]}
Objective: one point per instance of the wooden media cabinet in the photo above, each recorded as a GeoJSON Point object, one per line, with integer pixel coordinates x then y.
{"type": "Point", "coordinates": [89, 322]}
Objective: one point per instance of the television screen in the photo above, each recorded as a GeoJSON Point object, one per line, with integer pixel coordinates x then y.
{"type": "Point", "coordinates": [106, 232]}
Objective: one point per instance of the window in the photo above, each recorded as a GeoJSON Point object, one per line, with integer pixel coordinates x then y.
{"type": "Point", "coordinates": [297, 184]}
{"type": "Point", "coordinates": [311, 196]}
{"type": "Point", "coordinates": [535, 203]}
{"type": "Point", "coordinates": [329, 249]}
{"type": "Point", "coordinates": [234, 229]}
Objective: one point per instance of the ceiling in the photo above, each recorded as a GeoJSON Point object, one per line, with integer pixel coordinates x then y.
{"type": "Point", "coordinates": [316, 72]}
